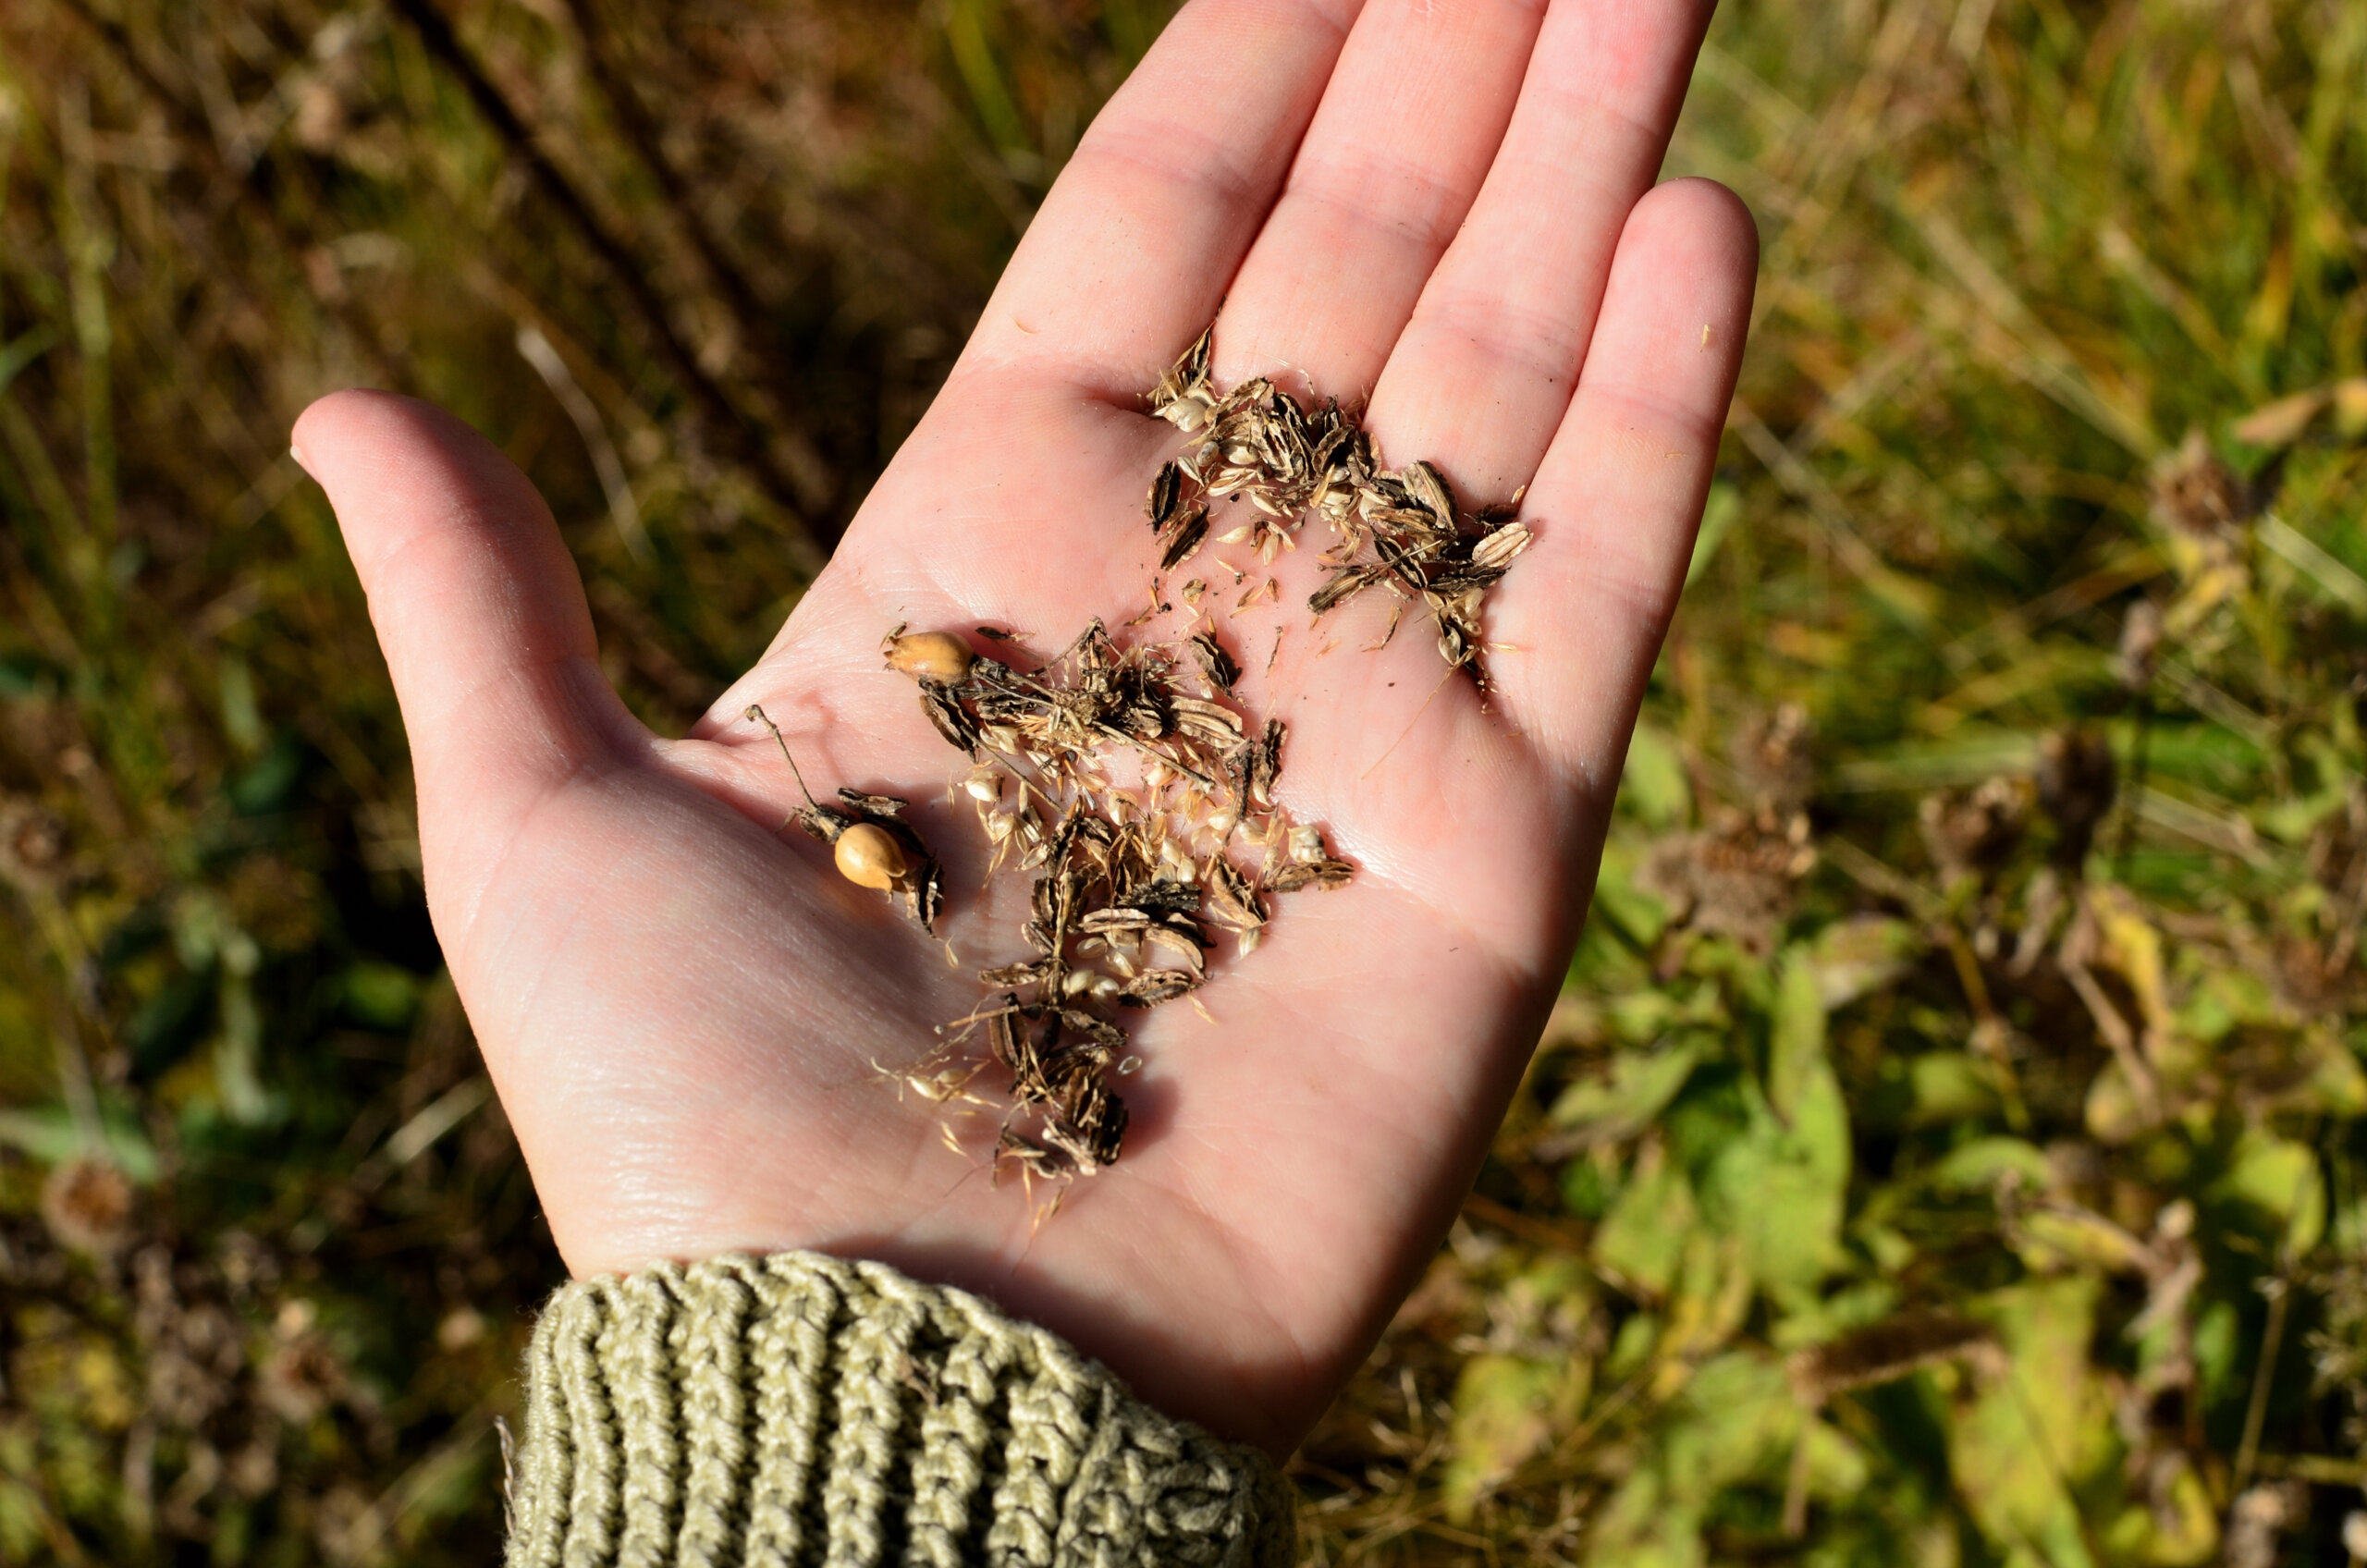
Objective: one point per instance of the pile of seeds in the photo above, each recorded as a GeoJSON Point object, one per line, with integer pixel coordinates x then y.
{"type": "Point", "coordinates": [1129, 785]}
{"type": "Point", "coordinates": [1396, 529]}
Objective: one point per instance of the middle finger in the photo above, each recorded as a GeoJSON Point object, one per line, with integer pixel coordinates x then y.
{"type": "Point", "coordinates": [1404, 134]}
{"type": "Point", "coordinates": [1480, 377]}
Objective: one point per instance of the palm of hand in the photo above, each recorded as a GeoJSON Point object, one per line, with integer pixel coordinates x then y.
{"type": "Point", "coordinates": [693, 1023]}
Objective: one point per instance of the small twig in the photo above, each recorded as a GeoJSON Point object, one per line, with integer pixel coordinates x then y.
{"type": "Point", "coordinates": [2279, 1292]}
{"type": "Point", "coordinates": [2120, 1038]}
{"type": "Point", "coordinates": [647, 140]}
{"type": "Point", "coordinates": [623, 509]}
{"type": "Point", "coordinates": [2133, 792]}
{"type": "Point", "coordinates": [757, 714]}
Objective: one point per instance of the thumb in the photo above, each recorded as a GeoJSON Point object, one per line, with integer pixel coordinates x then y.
{"type": "Point", "coordinates": [481, 615]}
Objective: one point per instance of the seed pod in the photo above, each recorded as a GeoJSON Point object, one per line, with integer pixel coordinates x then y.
{"type": "Point", "coordinates": [869, 857]}
{"type": "Point", "coordinates": [938, 657]}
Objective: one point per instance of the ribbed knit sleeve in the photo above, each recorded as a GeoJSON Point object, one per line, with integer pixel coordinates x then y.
{"type": "Point", "coordinates": [800, 1409]}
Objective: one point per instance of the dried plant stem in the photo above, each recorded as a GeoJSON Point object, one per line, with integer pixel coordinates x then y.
{"type": "Point", "coordinates": [2279, 1291]}
{"type": "Point", "coordinates": [798, 495]}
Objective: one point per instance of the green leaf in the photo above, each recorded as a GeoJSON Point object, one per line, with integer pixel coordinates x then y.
{"type": "Point", "coordinates": [380, 996]}
{"type": "Point", "coordinates": [22, 351]}
{"type": "Point", "coordinates": [1637, 916]}
{"type": "Point", "coordinates": [1624, 1101]}
{"type": "Point", "coordinates": [1719, 515]}
{"type": "Point", "coordinates": [2280, 1180]}
{"type": "Point", "coordinates": [1979, 1165]}
{"type": "Point", "coordinates": [1783, 1190]}
{"type": "Point", "coordinates": [1795, 1046]}
{"type": "Point", "coordinates": [1642, 1239]}
{"type": "Point", "coordinates": [52, 1137]}
{"type": "Point", "coordinates": [1861, 955]}
{"type": "Point", "coordinates": [2052, 1240]}
{"type": "Point", "coordinates": [1655, 785]}
{"type": "Point", "coordinates": [1947, 1087]}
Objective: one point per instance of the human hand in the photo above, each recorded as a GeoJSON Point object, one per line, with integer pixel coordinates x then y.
{"type": "Point", "coordinates": [1449, 205]}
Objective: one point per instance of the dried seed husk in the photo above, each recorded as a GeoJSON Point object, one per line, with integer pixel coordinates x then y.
{"type": "Point", "coordinates": [1326, 874]}
{"type": "Point", "coordinates": [1495, 551]}
{"type": "Point", "coordinates": [1206, 722]}
{"type": "Point", "coordinates": [1183, 541]}
{"type": "Point", "coordinates": [873, 807]}
{"type": "Point", "coordinates": [923, 890]}
{"type": "Point", "coordinates": [1215, 663]}
{"type": "Point", "coordinates": [1155, 985]}
{"type": "Point", "coordinates": [1186, 945]}
{"type": "Point", "coordinates": [825, 823]}
{"type": "Point", "coordinates": [1166, 495]}
{"type": "Point", "coordinates": [1231, 897]}
{"type": "Point", "coordinates": [1345, 584]}
{"type": "Point", "coordinates": [949, 719]}
{"type": "Point", "coordinates": [1032, 1158]}
{"type": "Point", "coordinates": [1266, 763]}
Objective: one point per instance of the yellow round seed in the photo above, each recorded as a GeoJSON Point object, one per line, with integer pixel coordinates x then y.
{"type": "Point", "coordinates": [870, 857]}
{"type": "Point", "coordinates": [930, 655]}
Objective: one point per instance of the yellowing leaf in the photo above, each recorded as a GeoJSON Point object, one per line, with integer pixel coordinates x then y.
{"type": "Point", "coordinates": [2182, 1531]}
{"type": "Point", "coordinates": [2113, 1113]}
{"type": "Point", "coordinates": [1949, 1086]}
{"type": "Point", "coordinates": [2132, 949]}
{"type": "Point", "coordinates": [2041, 1421]}
{"type": "Point", "coordinates": [1506, 1407]}
{"type": "Point", "coordinates": [2055, 1239]}
{"type": "Point", "coordinates": [2280, 423]}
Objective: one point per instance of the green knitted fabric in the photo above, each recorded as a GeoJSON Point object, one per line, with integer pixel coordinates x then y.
{"type": "Point", "coordinates": [800, 1409]}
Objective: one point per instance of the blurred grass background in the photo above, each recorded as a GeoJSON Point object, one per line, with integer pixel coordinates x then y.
{"type": "Point", "coordinates": [1950, 1148]}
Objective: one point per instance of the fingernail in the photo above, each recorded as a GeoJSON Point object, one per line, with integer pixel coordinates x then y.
{"type": "Point", "coordinates": [298, 453]}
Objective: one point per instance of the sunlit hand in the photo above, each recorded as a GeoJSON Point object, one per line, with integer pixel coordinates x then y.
{"type": "Point", "coordinates": [1447, 204]}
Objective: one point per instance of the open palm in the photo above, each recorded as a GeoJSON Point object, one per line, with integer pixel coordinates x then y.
{"type": "Point", "coordinates": [1445, 205]}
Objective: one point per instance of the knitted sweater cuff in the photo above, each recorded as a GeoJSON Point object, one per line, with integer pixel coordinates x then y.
{"type": "Point", "coordinates": [803, 1409]}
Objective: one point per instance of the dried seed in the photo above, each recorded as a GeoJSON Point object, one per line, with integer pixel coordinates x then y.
{"type": "Point", "coordinates": [949, 719]}
{"type": "Point", "coordinates": [1157, 985]}
{"type": "Point", "coordinates": [938, 657]}
{"type": "Point", "coordinates": [1185, 541]}
{"type": "Point", "coordinates": [1324, 874]}
{"type": "Point", "coordinates": [1230, 894]}
{"type": "Point", "coordinates": [1215, 663]}
{"type": "Point", "coordinates": [1166, 495]}
{"type": "Point", "coordinates": [1496, 550]}
{"type": "Point", "coordinates": [1266, 763]}
{"type": "Point", "coordinates": [869, 857]}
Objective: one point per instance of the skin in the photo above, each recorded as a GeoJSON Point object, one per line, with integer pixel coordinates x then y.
{"type": "Point", "coordinates": [1448, 206]}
